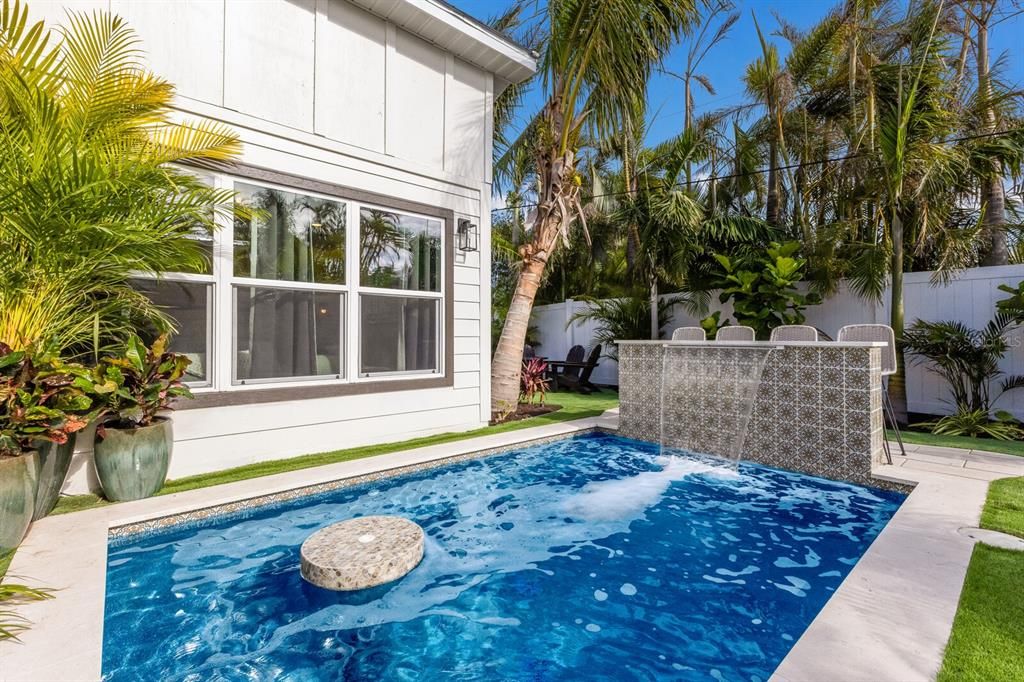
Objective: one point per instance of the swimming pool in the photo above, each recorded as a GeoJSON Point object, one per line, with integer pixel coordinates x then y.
{"type": "Point", "coordinates": [586, 558]}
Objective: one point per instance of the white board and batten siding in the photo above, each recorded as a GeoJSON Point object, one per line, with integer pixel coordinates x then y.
{"type": "Point", "coordinates": [970, 298]}
{"type": "Point", "coordinates": [325, 90]}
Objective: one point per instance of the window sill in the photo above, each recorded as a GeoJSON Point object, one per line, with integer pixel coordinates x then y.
{"type": "Point", "coordinates": [253, 396]}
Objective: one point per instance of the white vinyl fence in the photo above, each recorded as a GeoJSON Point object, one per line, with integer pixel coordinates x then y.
{"type": "Point", "coordinates": [969, 299]}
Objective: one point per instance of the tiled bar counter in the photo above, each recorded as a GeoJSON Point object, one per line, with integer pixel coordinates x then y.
{"type": "Point", "coordinates": [817, 408]}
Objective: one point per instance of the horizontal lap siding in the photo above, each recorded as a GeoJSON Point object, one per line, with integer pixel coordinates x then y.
{"type": "Point", "coordinates": [204, 423]}
{"type": "Point", "coordinates": [246, 447]}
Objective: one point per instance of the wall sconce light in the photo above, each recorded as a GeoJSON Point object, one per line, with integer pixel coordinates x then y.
{"type": "Point", "coordinates": [467, 235]}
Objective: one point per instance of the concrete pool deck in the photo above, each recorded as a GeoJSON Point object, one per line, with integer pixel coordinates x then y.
{"type": "Point", "coordinates": [892, 615]}
{"type": "Point", "coordinates": [889, 620]}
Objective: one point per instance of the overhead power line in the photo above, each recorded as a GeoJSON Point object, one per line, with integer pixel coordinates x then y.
{"type": "Point", "coordinates": [758, 171]}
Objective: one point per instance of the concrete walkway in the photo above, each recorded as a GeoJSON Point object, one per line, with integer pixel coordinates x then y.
{"type": "Point", "coordinates": [891, 617]}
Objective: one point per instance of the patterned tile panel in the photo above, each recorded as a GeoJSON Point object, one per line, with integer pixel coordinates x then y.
{"type": "Point", "coordinates": [817, 410]}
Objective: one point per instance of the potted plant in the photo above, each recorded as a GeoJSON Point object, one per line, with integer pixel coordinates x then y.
{"type": "Point", "coordinates": [42, 399]}
{"type": "Point", "coordinates": [133, 442]}
{"type": "Point", "coordinates": [53, 455]}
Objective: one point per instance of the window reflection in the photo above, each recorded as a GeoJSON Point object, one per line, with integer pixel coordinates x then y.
{"type": "Point", "coordinates": [187, 304]}
{"type": "Point", "coordinates": [288, 236]}
{"type": "Point", "coordinates": [399, 251]}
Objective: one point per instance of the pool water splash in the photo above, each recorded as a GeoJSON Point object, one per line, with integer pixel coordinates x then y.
{"type": "Point", "coordinates": [588, 558]}
{"type": "Point", "coordinates": [630, 497]}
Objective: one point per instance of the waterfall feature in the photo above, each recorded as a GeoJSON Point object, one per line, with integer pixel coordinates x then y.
{"type": "Point", "coordinates": [707, 397]}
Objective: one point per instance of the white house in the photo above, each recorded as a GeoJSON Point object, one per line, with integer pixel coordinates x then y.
{"type": "Point", "coordinates": [350, 311]}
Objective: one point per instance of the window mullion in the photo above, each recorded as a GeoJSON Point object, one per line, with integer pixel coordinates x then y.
{"type": "Point", "coordinates": [223, 311]}
{"type": "Point", "coordinates": [352, 333]}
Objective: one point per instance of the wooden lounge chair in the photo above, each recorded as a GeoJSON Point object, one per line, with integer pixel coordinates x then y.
{"type": "Point", "coordinates": [576, 375]}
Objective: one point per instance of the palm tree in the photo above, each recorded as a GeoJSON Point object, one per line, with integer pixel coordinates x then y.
{"type": "Point", "coordinates": [989, 100]}
{"type": "Point", "coordinates": [92, 188]}
{"type": "Point", "coordinates": [913, 160]}
{"type": "Point", "coordinates": [769, 84]}
{"type": "Point", "coordinates": [661, 218]}
{"type": "Point", "coordinates": [698, 50]}
{"type": "Point", "coordinates": [621, 318]}
{"type": "Point", "coordinates": [595, 61]}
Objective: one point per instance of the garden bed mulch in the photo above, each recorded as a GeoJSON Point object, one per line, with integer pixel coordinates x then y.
{"type": "Point", "coordinates": [525, 411]}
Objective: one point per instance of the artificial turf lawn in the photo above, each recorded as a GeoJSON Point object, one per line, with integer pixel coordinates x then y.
{"type": "Point", "coordinates": [1004, 509]}
{"type": "Point", "coordinates": [574, 406]}
{"type": "Point", "coordinates": [1007, 447]}
{"type": "Point", "coordinates": [987, 642]}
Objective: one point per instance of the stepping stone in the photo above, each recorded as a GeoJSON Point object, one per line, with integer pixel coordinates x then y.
{"type": "Point", "coordinates": [993, 537]}
{"type": "Point", "coordinates": [361, 553]}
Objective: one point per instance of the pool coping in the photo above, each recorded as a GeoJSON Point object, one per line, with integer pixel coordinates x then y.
{"type": "Point", "coordinates": [889, 619]}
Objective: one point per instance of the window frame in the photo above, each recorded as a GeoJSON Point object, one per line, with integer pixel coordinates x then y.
{"type": "Point", "coordinates": [237, 281]}
{"type": "Point", "coordinates": [223, 388]}
{"type": "Point", "coordinates": [210, 283]}
{"type": "Point", "coordinates": [209, 279]}
{"type": "Point", "coordinates": [439, 296]}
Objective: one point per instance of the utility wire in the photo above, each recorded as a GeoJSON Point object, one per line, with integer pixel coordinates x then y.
{"type": "Point", "coordinates": [759, 171]}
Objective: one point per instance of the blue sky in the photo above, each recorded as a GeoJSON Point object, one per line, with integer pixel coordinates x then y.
{"type": "Point", "coordinates": [725, 65]}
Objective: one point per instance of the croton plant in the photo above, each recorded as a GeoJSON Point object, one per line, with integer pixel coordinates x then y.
{"type": "Point", "coordinates": [42, 398]}
{"type": "Point", "coordinates": [137, 384]}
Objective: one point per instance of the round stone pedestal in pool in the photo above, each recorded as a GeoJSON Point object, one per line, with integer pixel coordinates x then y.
{"type": "Point", "coordinates": [361, 553]}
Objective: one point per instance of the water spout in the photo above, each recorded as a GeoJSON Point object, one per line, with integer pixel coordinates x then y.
{"type": "Point", "coordinates": [708, 393]}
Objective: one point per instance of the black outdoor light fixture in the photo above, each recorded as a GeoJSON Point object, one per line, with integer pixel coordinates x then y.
{"type": "Point", "coordinates": [467, 235]}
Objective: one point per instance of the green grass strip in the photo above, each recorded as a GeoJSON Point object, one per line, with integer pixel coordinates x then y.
{"type": "Point", "coordinates": [987, 642]}
{"type": "Point", "coordinates": [1004, 508]}
{"type": "Point", "coordinates": [1006, 447]}
{"type": "Point", "coordinates": [574, 406]}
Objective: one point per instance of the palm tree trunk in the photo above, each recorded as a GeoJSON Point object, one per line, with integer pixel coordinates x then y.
{"type": "Point", "coordinates": [897, 381]}
{"type": "Point", "coordinates": [714, 185]}
{"type": "Point", "coordinates": [687, 122]}
{"type": "Point", "coordinates": [994, 233]}
{"type": "Point", "coordinates": [772, 204]}
{"type": "Point", "coordinates": [508, 356]}
{"type": "Point", "coordinates": [556, 190]}
{"type": "Point", "coordinates": [993, 199]}
{"type": "Point", "coordinates": [655, 327]}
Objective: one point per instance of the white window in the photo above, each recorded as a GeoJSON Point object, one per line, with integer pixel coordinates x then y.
{"type": "Point", "coordinates": [310, 287]}
{"type": "Point", "coordinates": [188, 299]}
{"type": "Point", "coordinates": [288, 285]}
{"type": "Point", "coordinates": [400, 276]}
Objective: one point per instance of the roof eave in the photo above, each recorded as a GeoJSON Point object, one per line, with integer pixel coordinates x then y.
{"type": "Point", "coordinates": [454, 31]}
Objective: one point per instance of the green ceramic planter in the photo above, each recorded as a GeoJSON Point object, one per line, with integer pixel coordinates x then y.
{"type": "Point", "coordinates": [132, 463]}
{"type": "Point", "coordinates": [53, 462]}
{"type": "Point", "coordinates": [17, 498]}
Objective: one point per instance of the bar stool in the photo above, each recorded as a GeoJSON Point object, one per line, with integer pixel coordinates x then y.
{"type": "Point", "coordinates": [689, 334]}
{"type": "Point", "coordinates": [735, 333]}
{"type": "Point", "coordinates": [795, 332]}
{"type": "Point", "coordinates": [879, 333]}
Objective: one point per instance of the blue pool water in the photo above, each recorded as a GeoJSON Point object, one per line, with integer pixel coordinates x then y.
{"type": "Point", "coordinates": [589, 558]}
